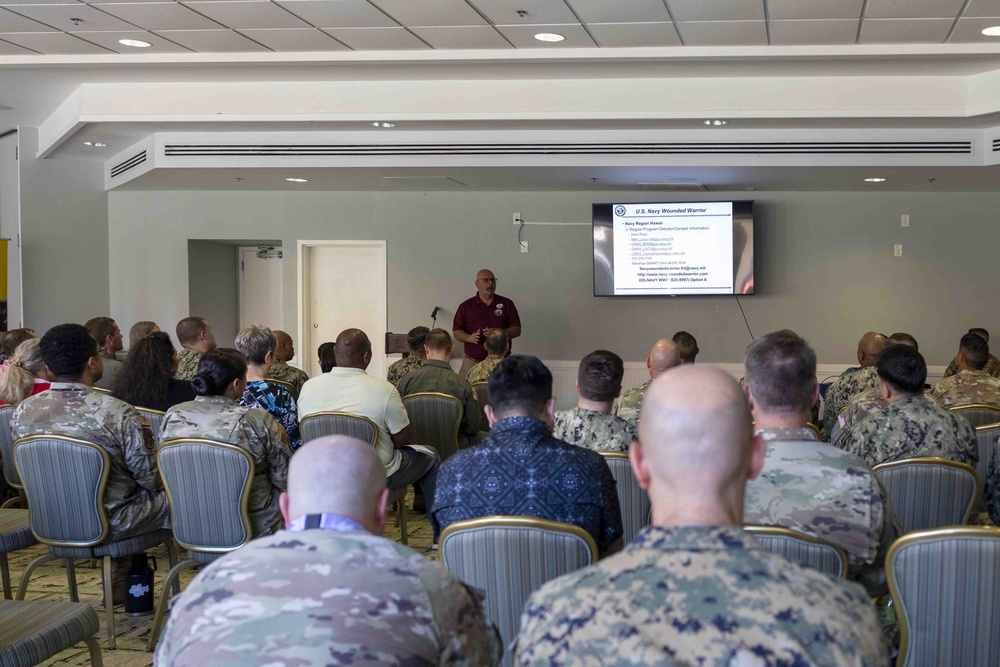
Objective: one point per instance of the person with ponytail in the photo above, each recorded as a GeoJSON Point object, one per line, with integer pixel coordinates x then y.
{"type": "Point", "coordinates": [147, 378]}
{"type": "Point", "coordinates": [215, 415]}
{"type": "Point", "coordinates": [26, 375]}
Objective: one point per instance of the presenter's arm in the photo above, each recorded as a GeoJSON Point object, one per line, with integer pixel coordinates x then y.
{"type": "Point", "coordinates": [513, 332]}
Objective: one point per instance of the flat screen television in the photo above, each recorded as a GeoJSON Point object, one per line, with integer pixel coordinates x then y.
{"type": "Point", "coordinates": [673, 248]}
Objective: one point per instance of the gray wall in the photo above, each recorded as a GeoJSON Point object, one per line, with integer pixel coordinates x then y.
{"type": "Point", "coordinates": [64, 239]}
{"type": "Point", "coordinates": [824, 264]}
{"type": "Point", "coordinates": [213, 287]}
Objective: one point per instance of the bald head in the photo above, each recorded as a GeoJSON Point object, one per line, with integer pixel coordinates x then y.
{"type": "Point", "coordinates": [284, 350]}
{"type": "Point", "coordinates": [353, 349]}
{"type": "Point", "coordinates": [662, 357]}
{"type": "Point", "coordinates": [697, 447]}
{"type": "Point", "coordinates": [486, 284]}
{"type": "Point", "coordinates": [869, 347]}
{"type": "Point", "coordinates": [338, 475]}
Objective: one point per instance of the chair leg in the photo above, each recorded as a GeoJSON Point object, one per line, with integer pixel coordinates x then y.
{"type": "Point", "coordinates": [11, 502]}
{"type": "Point", "coordinates": [174, 557]}
{"type": "Point", "coordinates": [8, 593]}
{"type": "Point", "coordinates": [96, 659]}
{"type": "Point", "coordinates": [109, 605]}
{"type": "Point", "coordinates": [401, 522]}
{"type": "Point", "coordinates": [71, 578]}
{"type": "Point", "coordinates": [173, 578]}
{"type": "Point", "coordinates": [23, 586]}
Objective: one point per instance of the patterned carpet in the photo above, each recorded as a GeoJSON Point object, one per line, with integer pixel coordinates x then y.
{"type": "Point", "coordinates": [49, 582]}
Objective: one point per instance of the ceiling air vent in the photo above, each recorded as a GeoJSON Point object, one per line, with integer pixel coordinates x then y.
{"type": "Point", "coordinates": [130, 163]}
{"type": "Point", "coordinates": [674, 186]}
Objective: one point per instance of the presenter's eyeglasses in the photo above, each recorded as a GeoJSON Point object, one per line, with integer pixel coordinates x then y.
{"type": "Point", "coordinates": [487, 280]}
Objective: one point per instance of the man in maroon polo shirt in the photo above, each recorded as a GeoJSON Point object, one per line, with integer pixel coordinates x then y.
{"type": "Point", "coordinates": [486, 310]}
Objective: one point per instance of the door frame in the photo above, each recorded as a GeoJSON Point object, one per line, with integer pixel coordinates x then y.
{"type": "Point", "coordinates": [304, 259]}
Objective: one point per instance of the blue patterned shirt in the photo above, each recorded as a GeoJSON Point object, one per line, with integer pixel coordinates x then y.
{"type": "Point", "coordinates": [278, 401]}
{"type": "Point", "coordinates": [521, 470]}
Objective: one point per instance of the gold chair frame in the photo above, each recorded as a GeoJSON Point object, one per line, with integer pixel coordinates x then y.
{"type": "Point", "coordinates": [781, 531]}
{"type": "Point", "coordinates": [461, 409]}
{"type": "Point", "coordinates": [915, 537]}
{"type": "Point", "coordinates": [20, 499]}
{"type": "Point", "coordinates": [287, 385]}
{"type": "Point", "coordinates": [937, 460]}
{"type": "Point", "coordinates": [510, 521]}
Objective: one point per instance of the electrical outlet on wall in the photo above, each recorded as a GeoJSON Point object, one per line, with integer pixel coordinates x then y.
{"type": "Point", "coordinates": [524, 246]}
{"type": "Point", "coordinates": [897, 250]}
{"type": "Point", "coordinates": [904, 220]}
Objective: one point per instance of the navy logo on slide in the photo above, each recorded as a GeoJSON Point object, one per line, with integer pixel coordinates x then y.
{"type": "Point", "coordinates": [620, 211]}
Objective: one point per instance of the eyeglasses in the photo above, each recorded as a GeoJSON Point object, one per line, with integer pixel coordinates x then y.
{"type": "Point", "coordinates": [487, 280]}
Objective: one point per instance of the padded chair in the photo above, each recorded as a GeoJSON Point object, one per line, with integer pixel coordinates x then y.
{"type": "Point", "coordinates": [943, 585]}
{"type": "Point", "coordinates": [806, 550]}
{"type": "Point", "coordinates": [15, 534]}
{"type": "Point", "coordinates": [65, 480]}
{"type": "Point", "coordinates": [319, 424]}
{"type": "Point", "coordinates": [287, 385]}
{"type": "Point", "coordinates": [483, 398]}
{"type": "Point", "coordinates": [155, 418]}
{"type": "Point", "coordinates": [7, 458]}
{"type": "Point", "coordinates": [101, 390]}
{"type": "Point", "coordinates": [815, 429]}
{"type": "Point", "coordinates": [208, 484]}
{"type": "Point", "coordinates": [633, 499]}
{"type": "Point", "coordinates": [435, 420]}
{"type": "Point", "coordinates": [986, 437]}
{"type": "Point", "coordinates": [929, 492]}
{"type": "Point", "coordinates": [32, 632]}
{"type": "Point", "coordinates": [978, 414]}
{"type": "Point", "coordinates": [510, 557]}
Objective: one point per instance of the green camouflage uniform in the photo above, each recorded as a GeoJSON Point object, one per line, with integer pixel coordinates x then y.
{"type": "Point", "coordinates": [858, 407]}
{"type": "Point", "coordinates": [911, 427]}
{"type": "Point", "coordinates": [481, 371]}
{"type": "Point", "coordinates": [187, 364]}
{"type": "Point", "coordinates": [400, 368]}
{"type": "Point", "coordinates": [320, 597]}
{"type": "Point", "coordinates": [438, 376]}
{"type": "Point", "coordinates": [134, 498]}
{"type": "Point", "coordinates": [967, 387]}
{"type": "Point", "coordinates": [699, 595]}
{"type": "Point", "coordinates": [992, 367]}
{"type": "Point", "coordinates": [595, 430]}
{"type": "Point", "coordinates": [282, 371]}
{"type": "Point", "coordinates": [221, 419]}
{"type": "Point", "coordinates": [841, 391]}
{"type": "Point", "coordinates": [823, 491]}
{"type": "Point", "coordinates": [631, 402]}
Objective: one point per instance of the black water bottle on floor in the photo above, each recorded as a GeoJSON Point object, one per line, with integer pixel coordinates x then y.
{"type": "Point", "coordinates": [139, 586]}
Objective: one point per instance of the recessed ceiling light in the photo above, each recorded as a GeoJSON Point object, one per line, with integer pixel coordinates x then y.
{"type": "Point", "coordinates": [297, 180]}
{"type": "Point", "coordinates": [993, 31]}
{"type": "Point", "coordinates": [716, 122]}
{"type": "Point", "coordinates": [137, 43]}
{"type": "Point", "coordinates": [550, 37]}
{"type": "Point", "coordinates": [874, 180]}
{"type": "Point", "coordinates": [95, 144]}
{"type": "Point", "coordinates": [383, 124]}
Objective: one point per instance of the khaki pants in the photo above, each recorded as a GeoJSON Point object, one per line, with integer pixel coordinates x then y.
{"type": "Point", "coordinates": [467, 364]}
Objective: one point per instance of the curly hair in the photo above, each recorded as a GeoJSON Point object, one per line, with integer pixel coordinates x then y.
{"type": "Point", "coordinates": [144, 380]}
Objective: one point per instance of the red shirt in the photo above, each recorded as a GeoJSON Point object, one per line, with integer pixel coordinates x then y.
{"type": "Point", "coordinates": [474, 315]}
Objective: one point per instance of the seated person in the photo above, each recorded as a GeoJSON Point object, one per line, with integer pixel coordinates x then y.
{"type": "Point", "coordinates": [693, 588]}
{"type": "Point", "coordinates": [26, 375]}
{"type": "Point", "coordinates": [415, 342]}
{"type": "Point", "coordinates": [869, 401]}
{"type": "Point", "coordinates": [436, 375]}
{"type": "Point", "coordinates": [992, 365]}
{"type": "Point", "coordinates": [11, 339]}
{"type": "Point", "coordinates": [134, 499]}
{"type": "Point", "coordinates": [497, 345]}
{"type": "Point", "coordinates": [590, 424]}
{"type": "Point", "coordinates": [147, 377]}
{"type": "Point", "coordinates": [138, 331]}
{"type": "Point", "coordinates": [337, 591]}
{"type": "Point", "coordinates": [109, 337]}
{"type": "Point", "coordinates": [284, 351]}
{"type": "Point", "coordinates": [215, 415]}
{"type": "Point", "coordinates": [805, 485]}
{"type": "Point", "coordinates": [848, 384]}
{"type": "Point", "coordinates": [326, 356]}
{"type": "Point", "coordinates": [971, 384]}
{"type": "Point", "coordinates": [196, 337]}
{"type": "Point", "coordinates": [257, 345]}
{"type": "Point", "coordinates": [348, 388]}
{"type": "Point", "coordinates": [662, 358]}
{"type": "Point", "coordinates": [520, 469]}
{"type": "Point", "coordinates": [911, 424]}
{"type": "Point", "coordinates": [687, 346]}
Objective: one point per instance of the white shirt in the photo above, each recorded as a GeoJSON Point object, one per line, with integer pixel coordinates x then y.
{"type": "Point", "coordinates": [352, 390]}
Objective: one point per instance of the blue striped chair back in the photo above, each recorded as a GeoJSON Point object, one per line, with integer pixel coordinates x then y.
{"type": "Point", "coordinates": [929, 492]}
{"type": "Point", "coordinates": [64, 479]}
{"type": "Point", "coordinates": [986, 439]}
{"type": "Point", "coordinates": [7, 447]}
{"type": "Point", "coordinates": [632, 499]}
{"type": "Point", "coordinates": [806, 550]}
{"type": "Point", "coordinates": [978, 414]}
{"type": "Point", "coordinates": [943, 584]}
{"type": "Point", "coordinates": [434, 420]}
{"type": "Point", "coordinates": [510, 557]}
{"type": "Point", "coordinates": [320, 424]}
{"type": "Point", "coordinates": [208, 484]}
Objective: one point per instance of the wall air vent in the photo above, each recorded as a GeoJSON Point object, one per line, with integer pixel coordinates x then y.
{"type": "Point", "coordinates": [996, 145]}
{"type": "Point", "coordinates": [638, 148]}
{"type": "Point", "coordinates": [130, 163]}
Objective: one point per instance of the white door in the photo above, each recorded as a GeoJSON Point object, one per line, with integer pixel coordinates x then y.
{"type": "Point", "coordinates": [260, 289]}
{"type": "Point", "coordinates": [342, 285]}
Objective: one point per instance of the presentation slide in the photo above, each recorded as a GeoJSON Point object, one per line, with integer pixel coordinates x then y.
{"type": "Point", "coordinates": [673, 249]}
